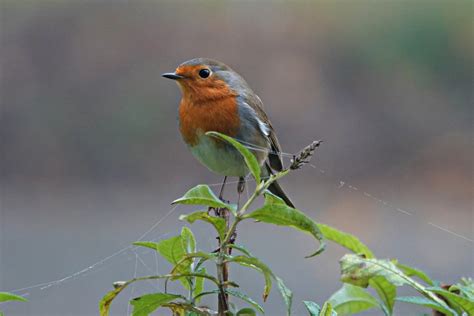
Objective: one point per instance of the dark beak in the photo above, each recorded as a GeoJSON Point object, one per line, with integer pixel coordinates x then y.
{"type": "Point", "coordinates": [172, 75]}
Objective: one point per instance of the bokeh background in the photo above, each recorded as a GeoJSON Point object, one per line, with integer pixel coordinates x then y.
{"type": "Point", "coordinates": [91, 156]}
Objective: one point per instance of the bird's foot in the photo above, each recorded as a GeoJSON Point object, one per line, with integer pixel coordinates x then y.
{"type": "Point", "coordinates": [233, 237]}
{"type": "Point", "coordinates": [210, 210]}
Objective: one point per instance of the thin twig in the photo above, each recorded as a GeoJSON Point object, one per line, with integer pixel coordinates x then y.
{"type": "Point", "coordinates": [223, 268]}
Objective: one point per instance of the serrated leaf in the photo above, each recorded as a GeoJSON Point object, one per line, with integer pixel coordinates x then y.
{"type": "Point", "coordinates": [410, 271]}
{"type": "Point", "coordinates": [386, 291]}
{"type": "Point", "coordinates": [312, 308]}
{"type": "Point", "coordinates": [351, 299]}
{"type": "Point", "coordinates": [249, 158]}
{"type": "Point", "coordinates": [283, 215]}
{"type": "Point", "coordinates": [423, 301]}
{"type": "Point", "coordinates": [256, 264]}
{"type": "Point", "coordinates": [5, 297]}
{"type": "Point", "coordinates": [458, 302]}
{"type": "Point", "coordinates": [146, 304]}
{"type": "Point", "coordinates": [286, 294]}
{"type": "Point", "coordinates": [218, 222]}
{"type": "Point", "coordinates": [346, 240]}
{"type": "Point", "coordinates": [203, 195]}
{"type": "Point", "coordinates": [246, 312]}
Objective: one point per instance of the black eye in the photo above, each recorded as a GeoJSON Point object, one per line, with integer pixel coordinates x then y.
{"type": "Point", "coordinates": [204, 73]}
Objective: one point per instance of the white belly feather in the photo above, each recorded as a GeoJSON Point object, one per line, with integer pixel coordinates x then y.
{"type": "Point", "coordinates": [222, 159]}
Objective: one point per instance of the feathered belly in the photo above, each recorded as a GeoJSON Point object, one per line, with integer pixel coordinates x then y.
{"type": "Point", "coordinates": [222, 158]}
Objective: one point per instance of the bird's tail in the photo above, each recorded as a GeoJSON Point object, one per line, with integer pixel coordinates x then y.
{"type": "Point", "coordinates": [276, 189]}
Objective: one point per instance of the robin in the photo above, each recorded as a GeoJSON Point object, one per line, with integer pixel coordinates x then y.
{"type": "Point", "coordinates": [216, 98]}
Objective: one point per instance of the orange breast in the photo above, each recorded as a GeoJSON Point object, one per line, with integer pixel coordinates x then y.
{"type": "Point", "coordinates": [220, 115]}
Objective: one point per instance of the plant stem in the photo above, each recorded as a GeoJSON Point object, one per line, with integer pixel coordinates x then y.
{"type": "Point", "coordinates": [222, 266]}
{"type": "Point", "coordinates": [222, 269]}
{"type": "Point", "coordinates": [223, 304]}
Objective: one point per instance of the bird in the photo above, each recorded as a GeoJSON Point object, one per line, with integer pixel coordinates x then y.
{"type": "Point", "coordinates": [216, 98]}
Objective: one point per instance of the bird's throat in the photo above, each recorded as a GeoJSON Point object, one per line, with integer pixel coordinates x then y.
{"type": "Point", "coordinates": [215, 114]}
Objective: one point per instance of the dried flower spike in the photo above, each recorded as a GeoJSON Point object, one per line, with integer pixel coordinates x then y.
{"type": "Point", "coordinates": [304, 156]}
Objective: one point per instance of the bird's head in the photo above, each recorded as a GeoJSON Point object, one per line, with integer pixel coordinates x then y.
{"type": "Point", "coordinates": [203, 79]}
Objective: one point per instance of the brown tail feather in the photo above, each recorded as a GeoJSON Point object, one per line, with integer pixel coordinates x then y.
{"type": "Point", "coordinates": [276, 189]}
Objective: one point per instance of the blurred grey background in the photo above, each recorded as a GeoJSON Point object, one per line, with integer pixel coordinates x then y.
{"type": "Point", "coordinates": [91, 156]}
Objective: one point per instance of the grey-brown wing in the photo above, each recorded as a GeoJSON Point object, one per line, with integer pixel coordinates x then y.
{"type": "Point", "coordinates": [274, 157]}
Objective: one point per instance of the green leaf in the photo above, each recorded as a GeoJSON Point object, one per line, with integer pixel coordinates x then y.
{"type": "Point", "coordinates": [246, 312]}
{"type": "Point", "coordinates": [272, 199]}
{"type": "Point", "coordinates": [465, 287]}
{"type": "Point", "coordinates": [239, 295]}
{"type": "Point", "coordinates": [146, 304]}
{"type": "Point", "coordinates": [285, 293]}
{"type": "Point", "coordinates": [241, 248]}
{"type": "Point", "coordinates": [352, 299]}
{"type": "Point", "coordinates": [186, 309]}
{"type": "Point", "coordinates": [104, 304]}
{"type": "Point", "coordinates": [327, 310]}
{"type": "Point", "coordinates": [200, 262]}
{"type": "Point", "coordinates": [147, 244]}
{"type": "Point", "coordinates": [312, 307]}
{"type": "Point", "coordinates": [218, 222]}
{"type": "Point", "coordinates": [345, 240]}
{"type": "Point", "coordinates": [249, 158]}
{"type": "Point", "coordinates": [283, 215]}
{"type": "Point", "coordinates": [256, 264]}
{"type": "Point", "coordinates": [188, 241]}
{"type": "Point", "coordinates": [5, 296]}
{"type": "Point", "coordinates": [187, 261]}
{"type": "Point", "coordinates": [386, 291]}
{"type": "Point", "coordinates": [410, 271]}
{"type": "Point", "coordinates": [180, 309]}
{"type": "Point", "coordinates": [171, 249]}
{"type": "Point", "coordinates": [199, 284]}
{"type": "Point", "coordinates": [245, 298]}
{"type": "Point", "coordinates": [203, 195]}
{"type": "Point", "coordinates": [358, 270]}
{"type": "Point", "coordinates": [456, 301]}
{"type": "Point", "coordinates": [423, 301]}
{"type": "Point", "coordinates": [174, 249]}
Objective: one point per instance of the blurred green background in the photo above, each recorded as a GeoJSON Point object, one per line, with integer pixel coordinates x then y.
{"type": "Point", "coordinates": [91, 156]}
